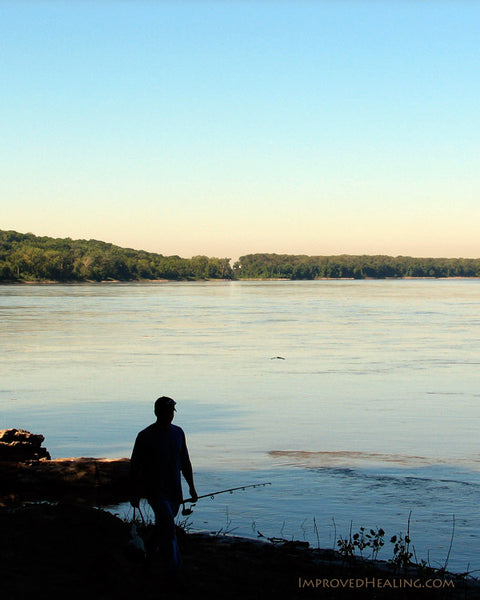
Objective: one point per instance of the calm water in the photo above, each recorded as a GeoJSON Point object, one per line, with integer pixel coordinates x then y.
{"type": "Point", "coordinates": [374, 411]}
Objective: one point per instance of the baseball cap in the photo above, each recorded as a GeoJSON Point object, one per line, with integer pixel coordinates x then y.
{"type": "Point", "coordinates": [164, 402]}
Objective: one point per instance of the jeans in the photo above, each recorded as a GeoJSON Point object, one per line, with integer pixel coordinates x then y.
{"type": "Point", "coordinates": [164, 534]}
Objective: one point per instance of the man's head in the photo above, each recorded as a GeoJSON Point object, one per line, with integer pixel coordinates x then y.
{"type": "Point", "coordinates": [164, 409]}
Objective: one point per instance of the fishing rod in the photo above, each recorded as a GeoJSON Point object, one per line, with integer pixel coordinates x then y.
{"type": "Point", "coordinates": [188, 511]}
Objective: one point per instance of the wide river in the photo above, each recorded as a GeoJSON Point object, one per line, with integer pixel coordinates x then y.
{"type": "Point", "coordinates": [358, 400]}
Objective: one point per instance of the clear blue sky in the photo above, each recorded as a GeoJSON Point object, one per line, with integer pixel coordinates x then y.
{"type": "Point", "coordinates": [224, 128]}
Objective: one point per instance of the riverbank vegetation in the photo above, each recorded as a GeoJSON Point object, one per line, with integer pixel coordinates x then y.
{"type": "Point", "coordinates": [26, 257]}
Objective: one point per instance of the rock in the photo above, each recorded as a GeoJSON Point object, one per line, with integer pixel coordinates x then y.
{"type": "Point", "coordinates": [18, 445]}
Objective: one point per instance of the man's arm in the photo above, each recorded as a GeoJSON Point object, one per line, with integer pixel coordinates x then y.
{"type": "Point", "coordinates": [135, 474]}
{"type": "Point", "coordinates": [187, 472]}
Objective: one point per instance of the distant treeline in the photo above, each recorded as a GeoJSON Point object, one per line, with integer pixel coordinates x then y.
{"type": "Point", "coordinates": [27, 257]}
{"type": "Point", "coordinates": [286, 266]}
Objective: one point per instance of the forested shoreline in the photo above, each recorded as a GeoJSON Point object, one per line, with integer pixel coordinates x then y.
{"type": "Point", "coordinates": [25, 257]}
{"type": "Point", "coordinates": [286, 266]}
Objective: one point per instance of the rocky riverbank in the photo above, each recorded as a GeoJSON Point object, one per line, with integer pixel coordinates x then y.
{"type": "Point", "coordinates": [28, 473]}
{"type": "Point", "coordinates": [72, 551]}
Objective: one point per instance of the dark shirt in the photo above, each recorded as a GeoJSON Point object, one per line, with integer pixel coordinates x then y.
{"type": "Point", "coordinates": [159, 455]}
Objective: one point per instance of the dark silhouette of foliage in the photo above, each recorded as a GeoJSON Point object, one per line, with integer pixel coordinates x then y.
{"type": "Point", "coordinates": [27, 257]}
{"type": "Point", "coordinates": [286, 266]}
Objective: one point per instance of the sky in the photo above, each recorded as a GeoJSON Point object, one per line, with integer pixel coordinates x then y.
{"type": "Point", "coordinates": [230, 127]}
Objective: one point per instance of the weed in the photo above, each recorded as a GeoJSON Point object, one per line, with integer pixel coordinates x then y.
{"type": "Point", "coordinates": [304, 531]}
{"type": "Point", "coordinates": [402, 557]}
{"type": "Point", "coordinates": [376, 541]}
{"type": "Point", "coordinates": [363, 539]}
{"type": "Point", "coordinates": [227, 528]}
{"type": "Point", "coordinates": [346, 547]}
{"type": "Point", "coordinates": [401, 551]}
{"type": "Point", "coordinates": [315, 528]}
{"type": "Point", "coordinates": [185, 524]}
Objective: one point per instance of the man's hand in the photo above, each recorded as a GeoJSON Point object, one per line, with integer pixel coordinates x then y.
{"type": "Point", "coordinates": [193, 494]}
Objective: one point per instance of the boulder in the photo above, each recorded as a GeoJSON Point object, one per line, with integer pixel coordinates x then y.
{"type": "Point", "coordinates": [18, 445]}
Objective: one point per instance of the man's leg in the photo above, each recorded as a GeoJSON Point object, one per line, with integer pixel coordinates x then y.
{"type": "Point", "coordinates": [165, 537]}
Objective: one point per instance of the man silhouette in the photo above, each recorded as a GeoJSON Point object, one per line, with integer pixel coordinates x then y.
{"type": "Point", "coordinates": [159, 457]}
